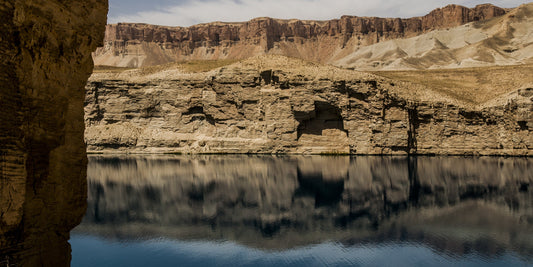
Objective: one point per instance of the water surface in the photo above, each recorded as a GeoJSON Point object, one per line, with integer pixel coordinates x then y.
{"type": "Point", "coordinates": [306, 211]}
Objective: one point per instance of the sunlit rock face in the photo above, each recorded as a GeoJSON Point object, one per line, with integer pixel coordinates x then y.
{"type": "Point", "coordinates": [456, 205]}
{"type": "Point", "coordinates": [45, 61]}
{"type": "Point", "coordinates": [275, 104]}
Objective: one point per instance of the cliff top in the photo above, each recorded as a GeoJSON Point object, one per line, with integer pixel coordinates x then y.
{"type": "Point", "coordinates": [480, 9]}
{"type": "Point", "coordinates": [472, 86]}
{"type": "Point", "coordinates": [201, 69]}
{"type": "Point", "coordinates": [291, 69]}
{"type": "Point", "coordinates": [464, 87]}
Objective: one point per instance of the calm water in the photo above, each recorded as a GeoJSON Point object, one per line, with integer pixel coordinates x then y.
{"type": "Point", "coordinates": [306, 211]}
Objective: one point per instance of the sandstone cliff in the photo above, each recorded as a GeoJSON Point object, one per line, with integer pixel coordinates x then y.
{"type": "Point", "coordinates": [281, 202]}
{"type": "Point", "coordinates": [136, 45]}
{"type": "Point", "coordinates": [274, 104]}
{"type": "Point", "coordinates": [45, 60]}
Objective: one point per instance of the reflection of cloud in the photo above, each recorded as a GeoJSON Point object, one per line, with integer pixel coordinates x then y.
{"type": "Point", "coordinates": [193, 12]}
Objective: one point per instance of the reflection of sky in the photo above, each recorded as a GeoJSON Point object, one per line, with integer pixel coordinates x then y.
{"type": "Point", "coordinates": [188, 12]}
{"type": "Point", "coordinates": [93, 251]}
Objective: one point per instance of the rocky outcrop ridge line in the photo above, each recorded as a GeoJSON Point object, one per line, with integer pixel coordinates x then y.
{"type": "Point", "coordinates": [45, 60]}
{"type": "Point", "coordinates": [273, 104]}
{"type": "Point", "coordinates": [135, 45]}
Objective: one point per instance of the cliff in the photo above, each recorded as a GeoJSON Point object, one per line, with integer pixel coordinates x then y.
{"type": "Point", "coordinates": [451, 204]}
{"type": "Point", "coordinates": [45, 60]}
{"type": "Point", "coordinates": [504, 40]}
{"type": "Point", "coordinates": [274, 104]}
{"type": "Point", "coordinates": [136, 45]}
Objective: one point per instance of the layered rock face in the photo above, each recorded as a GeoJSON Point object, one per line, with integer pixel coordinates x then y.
{"type": "Point", "coordinates": [280, 202]}
{"type": "Point", "coordinates": [281, 105]}
{"type": "Point", "coordinates": [136, 45]}
{"type": "Point", "coordinates": [45, 61]}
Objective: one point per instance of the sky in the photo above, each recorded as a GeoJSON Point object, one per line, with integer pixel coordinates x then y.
{"type": "Point", "coordinates": [190, 12]}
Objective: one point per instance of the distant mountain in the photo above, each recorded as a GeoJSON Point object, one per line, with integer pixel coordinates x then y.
{"type": "Point", "coordinates": [504, 40]}
{"type": "Point", "coordinates": [453, 36]}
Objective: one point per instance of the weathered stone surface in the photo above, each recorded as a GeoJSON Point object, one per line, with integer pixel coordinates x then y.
{"type": "Point", "coordinates": [273, 104]}
{"type": "Point", "coordinates": [136, 45]}
{"type": "Point", "coordinates": [281, 202]}
{"type": "Point", "coordinates": [45, 60]}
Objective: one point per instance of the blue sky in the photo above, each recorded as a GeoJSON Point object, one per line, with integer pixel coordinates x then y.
{"type": "Point", "coordinates": [190, 12]}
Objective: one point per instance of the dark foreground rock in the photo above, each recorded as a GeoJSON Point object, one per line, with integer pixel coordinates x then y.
{"type": "Point", "coordinates": [45, 60]}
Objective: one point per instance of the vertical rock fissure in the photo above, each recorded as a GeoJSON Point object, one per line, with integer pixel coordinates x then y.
{"type": "Point", "coordinates": [411, 133]}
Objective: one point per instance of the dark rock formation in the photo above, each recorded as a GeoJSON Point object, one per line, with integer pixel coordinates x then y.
{"type": "Point", "coordinates": [136, 45]}
{"type": "Point", "coordinates": [45, 60]}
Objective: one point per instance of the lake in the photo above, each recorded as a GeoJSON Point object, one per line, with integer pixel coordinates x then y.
{"type": "Point", "coordinates": [239, 210]}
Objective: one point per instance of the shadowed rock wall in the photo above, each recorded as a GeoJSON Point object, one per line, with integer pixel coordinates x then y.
{"type": "Point", "coordinates": [45, 61]}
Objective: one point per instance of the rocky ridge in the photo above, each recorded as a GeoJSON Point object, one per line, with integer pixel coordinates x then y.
{"type": "Point", "coordinates": [136, 45]}
{"type": "Point", "coordinates": [275, 104]}
{"type": "Point", "coordinates": [45, 60]}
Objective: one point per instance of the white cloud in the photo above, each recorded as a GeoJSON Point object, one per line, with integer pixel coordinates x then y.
{"type": "Point", "coordinates": [195, 12]}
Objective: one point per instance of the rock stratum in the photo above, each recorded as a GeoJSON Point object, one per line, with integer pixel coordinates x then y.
{"type": "Point", "coordinates": [45, 60]}
{"type": "Point", "coordinates": [452, 36]}
{"type": "Point", "coordinates": [275, 104]}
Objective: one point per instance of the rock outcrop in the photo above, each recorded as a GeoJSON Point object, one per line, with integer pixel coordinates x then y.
{"type": "Point", "coordinates": [452, 204]}
{"type": "Point", "coordinates": [45, 60]}
{"type": "Point", "coordinates": [274, 104]}
{"type": "Point", "coordinates": [136, 45]}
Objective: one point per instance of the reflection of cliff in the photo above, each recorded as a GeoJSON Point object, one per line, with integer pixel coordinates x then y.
{"type": "Point", "coordinates": [277, 202]}
{"type": "Point", "coordinates": [45, 60]}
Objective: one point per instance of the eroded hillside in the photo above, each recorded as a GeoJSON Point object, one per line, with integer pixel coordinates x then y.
{"type": "Point", "coordinates": [504, 40]}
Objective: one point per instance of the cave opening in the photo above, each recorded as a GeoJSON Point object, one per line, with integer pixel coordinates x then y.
{"type": "Point", "coordinates": [268, 77]}
{"type": "Point", "coordinates": [198, 114]}
{"type": "Point", "coordinates": [324, 116]}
